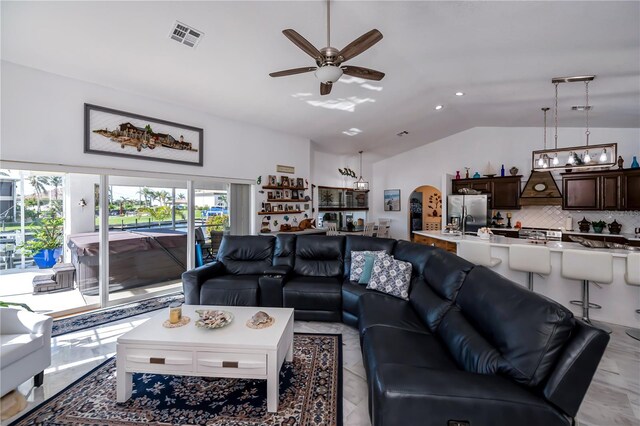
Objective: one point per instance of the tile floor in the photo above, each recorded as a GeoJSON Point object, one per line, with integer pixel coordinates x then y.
{"type": "Point", "coordinates": [612, 399]}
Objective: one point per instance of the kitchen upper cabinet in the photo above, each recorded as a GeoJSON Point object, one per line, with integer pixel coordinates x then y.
{"type": "Point", "coordinates": [506, 194]}
{"type": "Point", "coordinates": [604, 190]}
{"type": "Point", "coordinates": [504, 191]}
{"type": "Point", "coordinates": [631, 189]}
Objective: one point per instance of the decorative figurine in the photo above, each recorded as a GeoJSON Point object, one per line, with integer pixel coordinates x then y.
{"type": "Point", "coordinates": [466, 172]}
{"type": "Point", "coordinates": [634, 163]}
{"type": "Point", "coordinates": [620, 162]}
{"type": "Point", "coordinates": [259, 180]}
{"type": "Point", "coordinates": [508, 219]}
{"type": "Point", "coordinates": [513, 171]}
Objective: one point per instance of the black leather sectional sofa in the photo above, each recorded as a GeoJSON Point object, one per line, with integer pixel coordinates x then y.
{"type": "Point", "coordinates": [469, 347]}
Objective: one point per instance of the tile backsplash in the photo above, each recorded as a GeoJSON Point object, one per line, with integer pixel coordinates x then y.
{"type": "Point", "coordinates": [554, 217]}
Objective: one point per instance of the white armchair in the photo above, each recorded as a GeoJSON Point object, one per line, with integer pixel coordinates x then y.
{"type": "Point", "coordinates": [25, 347]}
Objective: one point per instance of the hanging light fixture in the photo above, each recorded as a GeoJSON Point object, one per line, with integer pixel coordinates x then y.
{"type": "Point", "coordinates": [361, 184]}
{"type": "Point", "coordinates": [550, 158]}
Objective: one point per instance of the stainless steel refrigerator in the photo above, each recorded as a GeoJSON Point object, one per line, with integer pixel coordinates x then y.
{"type": "Point", "coordinates": [470, 212]}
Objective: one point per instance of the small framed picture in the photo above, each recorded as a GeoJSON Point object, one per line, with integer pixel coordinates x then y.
{"type": "Point", "coordinates": [294, 194]}
{"type": "Point", "coordinates": [284, 180]}
{"type": "Point", "coordinates": [270, 195]}
{"type": "Point", "coordinates": [307, 206]}
{"type": "Point", "coordinates": [300, 183]}
{"type": "Point", "coordinates": [278, 195]}
{"type": "Point", "coordinates": [298, 207]}
{"type": "Point", "coordinates": [287, 194]}
{"type": "Point", "coordinates": [267, 207]}
{"type": "Point", "coordinates": [280, 208]}
{"type": "Point", "coordinates": [275, 209]}
{"type": "Point", "coordinates": [273, 181]}
{"type": "Point", "coordinates": [392, 200]}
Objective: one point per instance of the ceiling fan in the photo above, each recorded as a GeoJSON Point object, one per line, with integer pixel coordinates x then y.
{"type": "Point", "coordinates": [329, 60]}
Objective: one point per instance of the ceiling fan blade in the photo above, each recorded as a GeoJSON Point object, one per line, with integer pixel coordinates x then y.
{"type": "Point", "coordinates": [303, 44]}
{"type": "Point", "coordinates": [361, 72]}
{"type": "Point", "coordinates": [360, 44]}
{"type": "Point", "coordinates": [325, 88]}
{"type": "Point", "coordinates": [292, 71]}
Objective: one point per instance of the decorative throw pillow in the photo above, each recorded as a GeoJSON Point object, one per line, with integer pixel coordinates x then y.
{"type": "Point", "coordinates": [367, 268]}
{"type": "Point", "coordinates": [391, 276]}
{"type": "Point", "coordinates": [357, 262]}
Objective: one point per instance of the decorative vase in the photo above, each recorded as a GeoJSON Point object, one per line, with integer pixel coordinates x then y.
{"type": "Point", "coordinates": [502, 170]}
{"type": "Point", "coordinates": [457, 174]}
{"type": "Point", "coordinates": [584, 225]}
{"type": "Point", "coordinates": [598, 229]}
{"type": "Point", "coordinates": [476, 175]}
{"type": "Point", "coordinates": [46, 258]}
{"type": "Point", "coordinates": [634, 163]}
{"type": "Point", "coordinates": [614, 227]}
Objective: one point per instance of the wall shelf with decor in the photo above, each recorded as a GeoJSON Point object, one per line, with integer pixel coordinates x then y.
{"type": "Point", "coordinates": [342, 209]}
{"type": "Point", "coordinates": [284, 195]}
{"type": "Point", "coordinates": [342, 199]}
{"type": "Point", "coordinates": [283, 212]}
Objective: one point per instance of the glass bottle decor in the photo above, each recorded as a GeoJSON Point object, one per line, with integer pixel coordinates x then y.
{"type": "Point", "coordinates": [634, 163]}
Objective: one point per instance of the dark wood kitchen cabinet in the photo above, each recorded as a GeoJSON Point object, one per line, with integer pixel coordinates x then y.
{"type": "Point", "coordinates": [602, 190]}
{"type": "Point", "coordinates": [504, 191]}
{"type": "Point", "coordinates": [631, 189]}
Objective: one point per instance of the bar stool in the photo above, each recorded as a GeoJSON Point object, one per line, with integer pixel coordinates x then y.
{"type": "Point", "coordinates": [530, 259]}
{"type": "Point", "coordinates": [632, 277]}
{"type": "Point", "coordinates": [477, 252]}
{"type": "Point", "coordinates": [588, 266]}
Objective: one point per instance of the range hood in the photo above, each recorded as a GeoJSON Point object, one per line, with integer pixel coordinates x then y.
{"type": "Point", "coordinates": [541, 190]}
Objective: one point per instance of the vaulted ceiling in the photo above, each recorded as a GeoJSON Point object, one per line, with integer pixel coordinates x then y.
{"type": "Point", "coordinates": [502, 55]}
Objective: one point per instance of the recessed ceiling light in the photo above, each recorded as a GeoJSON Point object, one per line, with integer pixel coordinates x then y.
{"type": "Point", "coordinates": [459, 93]}
{"type": "Point", "coordinates": [439, 107]}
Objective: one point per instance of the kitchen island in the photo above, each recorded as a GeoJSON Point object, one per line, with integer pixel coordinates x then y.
{"type": "Point", "coordinates": [618, 299]}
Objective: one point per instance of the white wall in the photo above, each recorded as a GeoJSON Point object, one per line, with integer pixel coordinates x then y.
{"type": "Point", "coordinates": [473, 148]}
{"type": "Point", "coordinates": [43, 122]}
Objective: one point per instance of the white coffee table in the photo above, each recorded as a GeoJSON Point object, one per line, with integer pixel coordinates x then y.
{"type": "Point", "coordinates": [235, 351]}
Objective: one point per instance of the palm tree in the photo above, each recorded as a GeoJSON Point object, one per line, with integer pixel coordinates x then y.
{"type": "Point", "coordinates": [163, 196]}
{"type": "Point", "coordinates": [56, 182]}
{"type": "Point", "coordinates": [38, 183]}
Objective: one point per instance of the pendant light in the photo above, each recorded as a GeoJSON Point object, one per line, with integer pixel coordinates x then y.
{"type": "Point", "coordinates": [361, 184]}
{"type": "Point", "coordinates": [550, 158]}
{"type": "Point", "coordinates": [543, 160]}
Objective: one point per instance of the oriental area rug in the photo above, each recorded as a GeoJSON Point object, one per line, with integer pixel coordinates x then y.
{"type": "Point", "coordinates": [310, 394]}
{"type": "Point", "coordinates": [114, 313]}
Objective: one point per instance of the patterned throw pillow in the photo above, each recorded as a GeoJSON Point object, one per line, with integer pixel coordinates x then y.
{"type": "Point", "coordinates": [357, 262]}
{"type": "Point", "coordinates": [391, 276]}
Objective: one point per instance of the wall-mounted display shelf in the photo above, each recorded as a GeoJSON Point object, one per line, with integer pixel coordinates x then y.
{"type": "Point", "coordinates": [279, 212]}
{"type": "Point", "coordinates": [342, 199]}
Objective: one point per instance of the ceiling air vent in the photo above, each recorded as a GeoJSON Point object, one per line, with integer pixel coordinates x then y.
{"type": "Point", "coordinates": [185, 34]}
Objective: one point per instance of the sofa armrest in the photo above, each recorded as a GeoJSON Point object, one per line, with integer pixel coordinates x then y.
{"type": "Point", "coordinates": [569, 381]}
{"type": "Point", "coordinates": [409, 395]}
{"type": "Point", "coordinates": [192, 280]}
{"type": "Point", "coordinates": [271, 290]}
{"type": "Point", "coordinates": [282, 270]}
{"type": "Point", "coordinates": [18, 321]}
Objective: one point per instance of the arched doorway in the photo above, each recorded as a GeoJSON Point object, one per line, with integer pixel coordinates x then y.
{"type": "Point", "coordinates": [425, 209]}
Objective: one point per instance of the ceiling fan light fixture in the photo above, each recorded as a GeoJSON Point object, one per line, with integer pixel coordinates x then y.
{"type": "Point", "coordinates": [328, 73]}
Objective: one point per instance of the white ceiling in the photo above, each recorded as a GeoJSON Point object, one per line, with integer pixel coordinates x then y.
{"type": "Point", "coordinates": [501, 54]}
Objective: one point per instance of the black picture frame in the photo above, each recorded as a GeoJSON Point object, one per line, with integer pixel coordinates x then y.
{"type": "Point", "coordinates": [134, 147]}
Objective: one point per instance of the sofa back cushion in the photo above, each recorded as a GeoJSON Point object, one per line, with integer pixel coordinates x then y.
{"type": "Point", "coordinates": [435, 291]}
{"type": "Point", "coordinates": [319, 256]}
{"type": "Point", "coordinates": [246, 255]}
{"type": "Point", "coordinates": [360, 243]}
{"type": "Point", "coordinates": [416, 254]}
{"type": "Point", "coordinates": [528, 330]}
{"type": "Point", "coordinates": [285, 251]}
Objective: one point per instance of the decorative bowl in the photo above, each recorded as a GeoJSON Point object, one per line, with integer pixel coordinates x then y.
{"type": "Point", "coordinates": [213, 318]}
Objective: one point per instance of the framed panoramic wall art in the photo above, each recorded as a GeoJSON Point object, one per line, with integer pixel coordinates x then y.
{"type": "Point", "coordinates": [392, 200]}
{"type": "Point", "coordinates": [123, 134]}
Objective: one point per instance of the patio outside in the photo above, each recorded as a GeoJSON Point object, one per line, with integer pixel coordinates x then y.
{"type": "Point", "coordinates": [37, 214]}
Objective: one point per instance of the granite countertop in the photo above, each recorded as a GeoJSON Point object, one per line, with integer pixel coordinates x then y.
{"type": "Point", "coordinates": [500, 241]}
